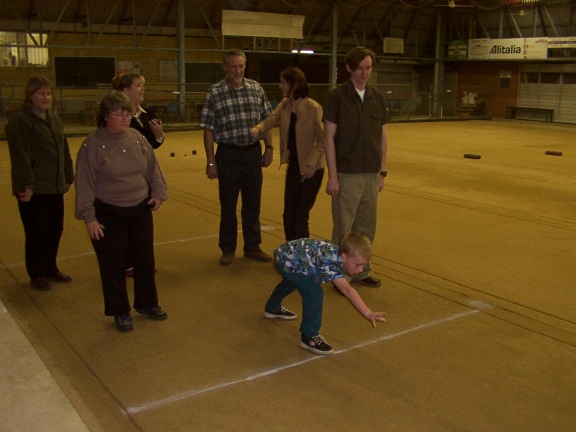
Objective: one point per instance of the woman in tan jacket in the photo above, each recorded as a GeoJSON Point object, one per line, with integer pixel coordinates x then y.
{"type": "Point", "coordinates": [301, 146]}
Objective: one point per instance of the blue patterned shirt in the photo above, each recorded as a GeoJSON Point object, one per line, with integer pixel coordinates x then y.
{"type": "Point", "coordinates": [230, 112]}
{"type": "Point", "coordinates": [317, 259]}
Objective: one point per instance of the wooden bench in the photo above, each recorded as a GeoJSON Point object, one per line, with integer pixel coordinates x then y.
{"type": "Point", "coordinates": [542, 114]}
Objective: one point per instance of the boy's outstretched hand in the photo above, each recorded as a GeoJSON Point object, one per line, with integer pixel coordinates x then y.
{"type": "Point", "coordinates": [377, 316]}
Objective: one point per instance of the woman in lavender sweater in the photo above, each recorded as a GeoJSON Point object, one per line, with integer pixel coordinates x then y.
{"type": "Point", "coordinates": [119, 185]}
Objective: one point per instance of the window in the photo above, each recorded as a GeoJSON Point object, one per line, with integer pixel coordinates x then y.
{"type": "Point", "coordinates": [23, 49]}
{"type": "Point", "coordinates": [529, 77]}
{"type": "Point", "coordinates": [568, 78]}
{"type": "Point", "coordinates": [549, 78]}
{"type": "Point", "coordinates": [505, 78]}
{"type": "Point", "coordinates": [84, 72]}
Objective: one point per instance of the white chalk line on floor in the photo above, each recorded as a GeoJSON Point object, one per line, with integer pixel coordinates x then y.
{"type": "Point", "coordinates": [191, 393]}
{"type": "Point", "coordinates": [184, 240]}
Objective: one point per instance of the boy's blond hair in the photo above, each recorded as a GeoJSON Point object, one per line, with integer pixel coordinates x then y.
{"type": "Point", "coordinates": [355, 244]}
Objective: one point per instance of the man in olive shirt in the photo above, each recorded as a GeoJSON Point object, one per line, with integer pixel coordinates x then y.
{"type": "Point", "coordinates": [355, 116]}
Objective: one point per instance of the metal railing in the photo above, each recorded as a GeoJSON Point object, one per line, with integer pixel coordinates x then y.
{"type": "Point", "coordinates": [77, 106]}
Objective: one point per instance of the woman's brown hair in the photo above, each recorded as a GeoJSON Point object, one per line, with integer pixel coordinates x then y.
{"type": "Point", "coordinates": [113, 101]}
{"type": "Point", "coordinates": [124, 81]}
{"type": "Point", "coordinates": [35, 84]}
{"type": "Point", "coordinates": [297, 82]}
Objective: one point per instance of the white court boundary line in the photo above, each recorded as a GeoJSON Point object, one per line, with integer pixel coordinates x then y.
{"type": "Point", "coordinates": [191, 393]}
{"type": "Point", "coordinates": [70, 257]}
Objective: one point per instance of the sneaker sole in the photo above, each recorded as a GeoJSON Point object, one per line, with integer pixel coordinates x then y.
{"type": "Point", "coordinates": [152, 317]}
{"type": "Point", "coordinates": [369, 284]}
{"type": "Point", "coordinates": [314, 350]}
{"type": "Point", "coordinates": [258, 257]}
{"type": "Point", "coordinates": [282, 317]}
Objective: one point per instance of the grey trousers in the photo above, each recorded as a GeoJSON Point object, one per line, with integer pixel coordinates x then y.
{"type": "Point", "coordinates": [355, 209]}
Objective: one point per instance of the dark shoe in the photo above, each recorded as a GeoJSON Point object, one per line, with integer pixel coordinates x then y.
{"type": "Point", "coordinates": [60, 277]}
{"type": "Point", "coordinates": [226, 259]}
{"type": "Point", "coordinates": [371, 282]}
{"type": "Point", "coordinates": [258, 255]}
{"type": "Point", "coordinates": [124, 322]}
{"type": "Point", "coordinates": [41, 284]}
{"type": "Point", "coordinates": [316, 344]}
{"type": "Point", "coordinates": [283, 313]}
{"type": "Point", "coordinates": [156, 313]}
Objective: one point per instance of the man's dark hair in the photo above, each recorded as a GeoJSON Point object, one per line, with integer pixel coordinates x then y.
{"type": "Point", "coordinates": [355, 56]}
{"type": "Point", "coordinates": [233, 53]}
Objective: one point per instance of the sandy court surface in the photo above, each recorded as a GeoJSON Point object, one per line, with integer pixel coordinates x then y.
{"type": "Point", "coordinates": [477, 262]}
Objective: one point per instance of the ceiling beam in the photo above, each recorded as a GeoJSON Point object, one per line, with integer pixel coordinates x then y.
{"type": "Point", "coordinates": [64, 7]}
{"type": "Point", "coordinates": [25, 25]}
{"type": "Point", "coordinates": [209, 24]}
{"type": "Point", "coordinates": [107, 21]}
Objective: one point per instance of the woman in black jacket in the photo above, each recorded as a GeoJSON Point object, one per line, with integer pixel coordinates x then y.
{"type": "Point", "coordinates": [42, 173]}
{"type": "Point", "coordinates": [132, 84]}
{"type": "Point", "coordinates": [143, 121]}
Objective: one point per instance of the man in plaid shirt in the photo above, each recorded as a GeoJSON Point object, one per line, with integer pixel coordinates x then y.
{"type": "Point", "coordinates": [231, 108]}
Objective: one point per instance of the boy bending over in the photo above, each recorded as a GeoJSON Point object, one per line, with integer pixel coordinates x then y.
{"type": "Point", "coordinates": [305, 264]}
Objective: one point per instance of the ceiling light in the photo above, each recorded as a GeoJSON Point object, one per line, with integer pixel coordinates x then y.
{"type": "Point", "coordinates": [303, 51]}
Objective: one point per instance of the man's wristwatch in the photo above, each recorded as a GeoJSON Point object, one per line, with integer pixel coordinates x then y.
{"type": "Point", "coordinates": [383, 173]}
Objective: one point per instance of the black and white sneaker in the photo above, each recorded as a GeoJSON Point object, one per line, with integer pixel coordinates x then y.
{"type": "Point", "coordinates": [156, 313]}
{"type": "Point", "coordinates": [316, 344]}
{"type": "Point", "coordinates": [284, 314]}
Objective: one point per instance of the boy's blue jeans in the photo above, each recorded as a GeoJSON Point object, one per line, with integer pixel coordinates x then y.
{"type": "Point", "coordinates": [312, 300]}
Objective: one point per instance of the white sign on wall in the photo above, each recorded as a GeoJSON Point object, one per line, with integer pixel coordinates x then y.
{"type": "Point", "coordinates": [508, 49]}
{"type": "Point", "coordinates": [240, 23]}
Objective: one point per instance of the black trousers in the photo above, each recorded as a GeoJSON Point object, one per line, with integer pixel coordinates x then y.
{"type": "Point", "coordinates": [43, 220]}
{"type": "Point", "coordinates": [299, 198]}
{"type": "Point", "coordinates": [239, 173]}
{"type": "Point", "coordinates": [127, 231]}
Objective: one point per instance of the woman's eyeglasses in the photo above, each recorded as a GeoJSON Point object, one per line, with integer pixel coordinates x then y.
{"type": "Point", "coordinates": [123, 114]}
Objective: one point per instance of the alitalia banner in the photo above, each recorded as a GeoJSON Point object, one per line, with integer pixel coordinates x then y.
{"type": "Point", "coordinates": [508, 49]}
